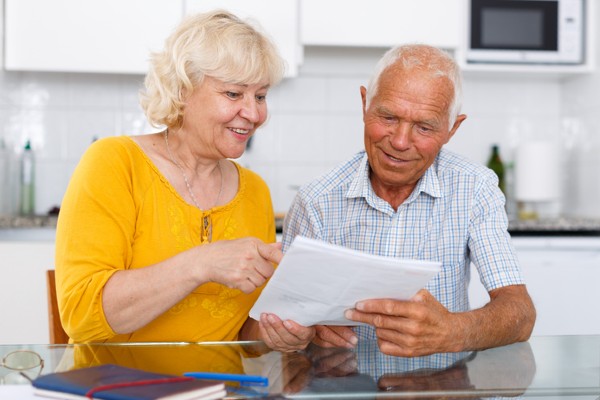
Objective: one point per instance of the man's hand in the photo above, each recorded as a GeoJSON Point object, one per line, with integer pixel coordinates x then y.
{"type": "Point", "coordinates": [424, 326]}
{"type": "Point", "coordinates": [412, 328]}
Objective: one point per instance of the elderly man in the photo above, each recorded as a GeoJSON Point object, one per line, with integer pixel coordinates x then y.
{"type": "Point", "coordinates": [406, 196]}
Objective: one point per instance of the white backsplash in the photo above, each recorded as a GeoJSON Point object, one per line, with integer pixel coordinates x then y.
{"type": "Point", "coordinates": [580, 106]}
{"type": "Point", "coordinates": [315, 122]}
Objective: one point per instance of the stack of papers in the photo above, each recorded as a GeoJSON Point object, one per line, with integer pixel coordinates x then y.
{"type": "Point", "coordinates": [317, 281]}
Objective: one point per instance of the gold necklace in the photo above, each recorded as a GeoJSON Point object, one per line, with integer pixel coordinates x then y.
{"type": "Point", "coordinates": [187, 183]}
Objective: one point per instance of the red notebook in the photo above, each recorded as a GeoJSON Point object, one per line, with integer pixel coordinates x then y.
{"type": "Point", "coordinates": [113, 382]}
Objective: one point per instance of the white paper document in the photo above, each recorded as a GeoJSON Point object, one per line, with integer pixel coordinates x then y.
{"type": "Point", "coordinates": [317, 281]}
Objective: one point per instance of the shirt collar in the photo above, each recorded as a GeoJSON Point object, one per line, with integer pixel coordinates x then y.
{"type": "Point", "coordinates": [361, 185]}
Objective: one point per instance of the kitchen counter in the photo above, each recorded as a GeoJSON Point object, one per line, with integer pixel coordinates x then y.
{"type": "Point", "coordinates": [563, 226]}
{"type": "Point", "coordinates": [38, 228]}
{"type": "Point", "coordinates": [34, 221]}
{"type": "Point", "coordinates": [279, 217]}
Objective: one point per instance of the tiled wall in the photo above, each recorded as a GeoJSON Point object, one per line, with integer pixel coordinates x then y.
{"type": "Point", "coordinates": [61, 114]}
{"type": "Point", "coordinates": [580, 108]}
{"type": "Point", "coordinates": [315, 120]}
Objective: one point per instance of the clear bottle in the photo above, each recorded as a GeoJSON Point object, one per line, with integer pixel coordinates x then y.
{"type": "Point", "coordinates": [9, 180]}
{"type": "Point", "coordinates": [495, 164]}
{"type": "Point", "coordinates": [4, 178]}
{"type": "Point", "coordinates": [27, 199]}
{"type": "Point", "coordinates": [509, 186]}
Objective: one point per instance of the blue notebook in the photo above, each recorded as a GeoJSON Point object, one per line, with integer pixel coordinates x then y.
{"type": "Point", "coordinates": [74, 384]}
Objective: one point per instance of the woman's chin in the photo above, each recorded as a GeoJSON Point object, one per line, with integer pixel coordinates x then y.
{"type": "Point", "coordinates": [235, 154]}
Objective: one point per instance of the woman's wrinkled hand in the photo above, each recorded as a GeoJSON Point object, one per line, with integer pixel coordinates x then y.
{"type": "Point", "coordinates": [335, 336]}
{"type": "Point", "coordinates": [243, 264]}
{"type": "Point", "coordinates": [286, 335]}
{"type": "Point", "coordinates": [332, 361]}
{"type": "Point", "coordinates": [296, 369]}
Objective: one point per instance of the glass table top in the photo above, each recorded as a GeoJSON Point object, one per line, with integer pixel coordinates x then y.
{"type": "Point", "coordinates": [545, 366]}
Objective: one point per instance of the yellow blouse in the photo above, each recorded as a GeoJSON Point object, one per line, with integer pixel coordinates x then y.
{"type": "Point", "coordinates": [119, 212]}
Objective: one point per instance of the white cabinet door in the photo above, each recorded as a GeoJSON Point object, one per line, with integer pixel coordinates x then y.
{"type": "Point", "coordinates": [562, 280]}
{"type": "Point", "coordinates": [24, 310]}
{"type": "Point", "coordinates": [107, 36]}
{"type": "Point", "coordinates": [381, 23]}
{"type": "Point", "coordinates": [279, 20]}
{"type": "Point", "coordinates": [564, 287]}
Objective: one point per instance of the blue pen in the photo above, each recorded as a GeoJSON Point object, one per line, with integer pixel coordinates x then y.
{"type": "Point", "coordinates": [244, 380]}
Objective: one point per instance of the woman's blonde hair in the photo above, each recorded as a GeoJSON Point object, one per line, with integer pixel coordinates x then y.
{"type": "Point", "coordinates": [216, 44]}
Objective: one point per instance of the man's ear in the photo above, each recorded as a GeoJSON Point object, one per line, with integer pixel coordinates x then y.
{"type": "Point", "coordinates": [459, 120]}
{"type": "Point", "coordinates": [363, 95]}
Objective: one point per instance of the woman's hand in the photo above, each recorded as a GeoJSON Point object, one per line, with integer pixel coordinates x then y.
{"type": "Point", "coordinates": [284, 335]}
{"type": "Point", "coordinates": [243, 264]}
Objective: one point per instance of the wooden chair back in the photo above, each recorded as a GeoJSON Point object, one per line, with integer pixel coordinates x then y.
{"type": "Point", "coordinates": [57, 333]}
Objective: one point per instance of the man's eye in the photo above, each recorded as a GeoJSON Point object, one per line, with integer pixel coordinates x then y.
{"type": "Point", "coordinates": [424, 129]}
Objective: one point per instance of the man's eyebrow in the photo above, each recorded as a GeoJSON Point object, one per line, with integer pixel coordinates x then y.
{"type": "Point", "coordinates": [383, 110]}
{"type": "Point", "coordinates": [430, 121]}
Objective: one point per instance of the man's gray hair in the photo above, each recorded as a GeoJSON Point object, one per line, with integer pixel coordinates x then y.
{"type": "Point", "coordinates": [426, 58]}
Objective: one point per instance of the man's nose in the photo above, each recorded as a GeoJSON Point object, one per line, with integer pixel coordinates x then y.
{"type": "Point", "coordinates": [401, 136]}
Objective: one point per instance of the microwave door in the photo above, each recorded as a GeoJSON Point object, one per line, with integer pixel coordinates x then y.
{"type": "Point", "coordinates": [520, 31]}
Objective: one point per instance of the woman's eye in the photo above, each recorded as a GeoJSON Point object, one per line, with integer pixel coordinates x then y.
{"type": "Point", "coordinates": [232, 95]}
{"type": "Point", "coordinates": [261, 98]}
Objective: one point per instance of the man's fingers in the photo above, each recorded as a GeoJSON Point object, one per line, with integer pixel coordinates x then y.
{"type": "Point", "coordinates": [354, 315]}
{"type": "Point", "coordinates": [397, 308]}
{"type": "Point", "coordinates": [422, 296]}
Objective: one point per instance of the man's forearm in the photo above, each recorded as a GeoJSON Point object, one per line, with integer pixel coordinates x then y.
{"type": "Point", "coordinates": [509, 317]}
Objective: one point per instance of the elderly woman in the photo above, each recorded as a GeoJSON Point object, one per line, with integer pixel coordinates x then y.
{"type": "Point", "coordinates": [161, 237]}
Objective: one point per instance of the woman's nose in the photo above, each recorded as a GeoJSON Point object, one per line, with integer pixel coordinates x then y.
{"type": "Point", "coordinates": [251, 110]}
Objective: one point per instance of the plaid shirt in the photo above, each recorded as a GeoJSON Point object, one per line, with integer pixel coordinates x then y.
{"type": "Point", "coordinates": [455, 215]}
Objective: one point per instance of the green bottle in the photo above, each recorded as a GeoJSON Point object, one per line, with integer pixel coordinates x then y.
{"type": "Point", "coordinates": [496, 165]}
{"type": "Point", "coordinates": [27, 181]}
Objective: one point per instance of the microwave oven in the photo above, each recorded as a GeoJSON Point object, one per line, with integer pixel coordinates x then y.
{"type": "Point", "coordinates": [526, 31]}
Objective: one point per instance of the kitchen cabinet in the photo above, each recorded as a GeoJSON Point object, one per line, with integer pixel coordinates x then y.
{"type": "Point", "coordinates": [24, 311]}
{"type": "Point", "coordinates": [108, 36]}
{"type": "Point", "coordinates": [114, 36]}
{"type": "Point", "coordinates": [562, 276]}
{"type": "Point", "coordinates": [381, 23]}
{"type": "Point", "coordinates": [279, 19]}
